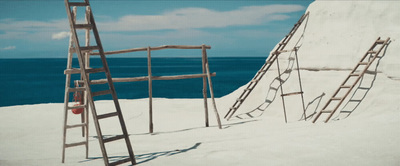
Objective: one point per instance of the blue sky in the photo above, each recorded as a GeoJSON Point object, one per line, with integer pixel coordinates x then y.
{"type": "Point", "coordinates": [39, 28]}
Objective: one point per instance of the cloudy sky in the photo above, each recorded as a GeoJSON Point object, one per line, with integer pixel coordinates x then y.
{"type": "Point", "coordinates": [39, 28]}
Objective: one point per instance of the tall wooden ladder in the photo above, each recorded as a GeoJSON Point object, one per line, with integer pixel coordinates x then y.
{"type": "Point", "coordinates": [87, 87]}
{"type": "Point", "coordinates": [283, 95]}
{"type": "Point", "coordinates": [352, 79]}
{"type": "Point", "coordinates": [271, 59]}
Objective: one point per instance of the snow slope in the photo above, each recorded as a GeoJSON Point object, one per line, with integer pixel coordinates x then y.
{"type": "Point", "coordinates": [337, 34]}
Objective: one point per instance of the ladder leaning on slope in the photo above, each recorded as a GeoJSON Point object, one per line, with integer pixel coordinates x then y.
{"type": "Point", "coordinates": [357, 73]}
{"type": "Point", "coordinates": [84, 71]}
{"type": "Point", "coordinates": [281, 81]}
{"type": "Point", "coordinates": [271, 59]}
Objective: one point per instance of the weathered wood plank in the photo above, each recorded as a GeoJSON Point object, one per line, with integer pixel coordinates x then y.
{"type": "Point", "coordinates": [151, 49]}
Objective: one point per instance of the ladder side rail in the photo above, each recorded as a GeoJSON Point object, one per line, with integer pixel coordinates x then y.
{"type": "Point", "coordinates": [112, 88]}
{"type": "Point", "coordinates": [87, 65]}
{"type": "Point", "coordinates": [67, 87]}
{"type": "Point", "coordinates": [281, 87]}
{"type": "Point", "coordinates": [300, 84]}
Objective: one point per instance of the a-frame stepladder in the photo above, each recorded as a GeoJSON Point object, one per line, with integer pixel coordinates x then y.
{"type": "Point", "coordinates": [352, 79]}
{"type": "Point", "coordinates": [85, 71]}
{"type": "Point", "coordinates": [271, 59]}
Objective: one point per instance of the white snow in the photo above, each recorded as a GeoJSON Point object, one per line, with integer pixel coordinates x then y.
{"type": "Point", "coordinates": [337, 34]}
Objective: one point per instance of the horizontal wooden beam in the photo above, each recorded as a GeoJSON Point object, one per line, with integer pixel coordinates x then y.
{"type": "Point", "coordinates": [152, 48]}
{"type": "Point", "coordinates": [146, 78]}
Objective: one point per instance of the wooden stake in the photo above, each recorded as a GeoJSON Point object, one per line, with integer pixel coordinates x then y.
{"type": "Point", "coordinates": [204, 59]}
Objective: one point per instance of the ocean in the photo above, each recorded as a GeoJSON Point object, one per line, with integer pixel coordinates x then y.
{"type": "Point", "coordinates": [34, 81]}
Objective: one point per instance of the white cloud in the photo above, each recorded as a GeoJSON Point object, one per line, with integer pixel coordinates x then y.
{"type": "Point", "coordinates": [60, 35]}
{"type": "Point", "coordinates": [8, 48]}
{"type": "Point", "coordinates": [179, 19]}
{"type": "Point", "coordinates": [190, 18]}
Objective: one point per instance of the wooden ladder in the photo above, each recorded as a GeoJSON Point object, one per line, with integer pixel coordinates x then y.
{"type": "Point", "coordinates": [84, 71]}
{"type": "Point", "coordinates": [283, 95]}
{"type": "Point", "coordinates": [357, 73]}
{"type": "Point", "coordinates": [271, 59]}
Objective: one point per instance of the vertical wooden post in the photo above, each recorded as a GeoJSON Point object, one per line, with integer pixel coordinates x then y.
{"type": "Point", "coordinates": [301, 87]}
{"type": "Point", "coordinates": [67, 86]}
{"type": "Point", "coordinates": [205, 85]}
{"type": "Point", "coordinates": [211, 88]}
{"type": "Point", "coordinates": [281, 83]}
{"type": "Point", "coordinates": [85, 98]}
{"type": "Point", "coordinates": [150, 90]}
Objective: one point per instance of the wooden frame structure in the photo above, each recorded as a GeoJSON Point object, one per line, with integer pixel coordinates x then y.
{"type": "Point", "coordinates": [206, 75]}
{"type": "Point", "coordinates": [85, 83]}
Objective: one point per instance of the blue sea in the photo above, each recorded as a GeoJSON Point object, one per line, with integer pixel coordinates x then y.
{"type": "Point", "coordinates": [34, 81]}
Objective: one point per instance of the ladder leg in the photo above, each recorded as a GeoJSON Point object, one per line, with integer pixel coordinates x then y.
{"type": "Point", "coordinates": [281, 87]}
{"type": "Point", "coordinates": [301, 87]}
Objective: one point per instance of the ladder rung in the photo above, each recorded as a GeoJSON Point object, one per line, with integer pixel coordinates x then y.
{"type": "Point", "coordinates": [326, 111]}
{"type": "Point", "coordinates": [78, 4]}
{"type": "Point", "coordinates": [107, 115]}
{"type": "Point", "coordinates": [288, 71]}
{"type": "Point", "coordinates": [99, 93]}
{"type": "Point", "coordinates": [77, 106]}
{"type": "Point", "coordinates": [345, 86]}
{"type": "Point", "coordinates": [336, 98]}
{"type": "Point", "coordinates": [94, 70]}
{"type": "Point", "coordinates": [76, 89]}
{"type": "Point", "coordinates": [380, 41]}
{"type": "Point", "coordinates": [120, 161]}
{"type": "Point", "coordinates": [363, 63]}
{"type": "Point", "coordinates": [279, 79]}
{"type": "Point", "coordinates": [354, 74]}
{"type": "Point", "coordinates": [255, 80]}
{"type": "Point", "coordinates": [355, 100]}
{"type": "Point", "coordinates": [262, 71]}
{"type": "Point", "coordinates": [75, 144]}
{"type": "Point", "coordinates": [233, 108]}
{"type": "Point", "coordinates": [83, 26]}
{"type": "Point", "coordinates": [72, 71]}
{"type": "Point", "coordinates": [76, 125]}
{"type": "Point", "coordinates": [113, 138]}
{"type": "Point", "coordinates": [247, 89]}
{"type": "Point", "coordinates": [293, 93]}
{"type": "Point", "coordinates": [371, 52]}
{"type": "Point", "coordinates": [346, 112]}
{"type": "Point", "coordinates": [89, 48]}
{"type": "Point", "coordinates": [268, 62]}
{"type": "Point", "coordinates": [240, 100]}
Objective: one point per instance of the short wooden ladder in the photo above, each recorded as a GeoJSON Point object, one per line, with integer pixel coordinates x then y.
{"type": "Point", "coordinates": [300, 92]}
{"type": "Point", "coordinates": [352, 79]}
